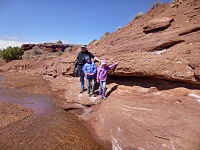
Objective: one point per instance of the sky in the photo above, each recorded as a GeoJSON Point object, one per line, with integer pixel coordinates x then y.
{"type": "Point", "coordinates": [71, 21]}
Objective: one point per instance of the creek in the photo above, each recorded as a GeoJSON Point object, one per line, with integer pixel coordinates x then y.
{"type": "Point", "coordinates": [50, 127]}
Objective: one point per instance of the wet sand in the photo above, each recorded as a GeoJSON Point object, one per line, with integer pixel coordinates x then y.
{"type": "Point", "coordinates": [48, 127]}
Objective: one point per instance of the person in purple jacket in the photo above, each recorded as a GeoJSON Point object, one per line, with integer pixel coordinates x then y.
{"type": "Point", "coordinates": [90, 70]}
{"type": "Point", "coordinates": [102, 77]}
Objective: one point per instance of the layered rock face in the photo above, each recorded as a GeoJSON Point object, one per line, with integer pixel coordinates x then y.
{"type": "Point", "coordinates": [49, 47]}
{"type": "Point", "coordinates": [164, 43]}
{"type": "Point", "coordinates": [143, 113]}
{"type": "Point", "coordinates": [139, 113]}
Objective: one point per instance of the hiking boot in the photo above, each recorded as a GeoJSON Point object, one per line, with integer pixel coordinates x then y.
{"type": "Point", "coordinates": [82, 90]}
{"type": "Point", "coordinates": [93, 95]}
{"type": "Point", "coordinates": [103, 98]}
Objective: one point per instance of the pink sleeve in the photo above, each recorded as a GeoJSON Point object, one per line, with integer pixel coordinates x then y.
{"type": "Point", "coordinates": [98, 73]}
{"type": "Point", "coordinates": [111, 66]}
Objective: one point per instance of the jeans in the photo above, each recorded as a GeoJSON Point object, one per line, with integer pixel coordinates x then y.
{"type": "Point", "coordinates": [102, 88]}
{"type": "Point", "coordinates": [90, 85]}
{"type": "Point", "coordinates": [82, 80]}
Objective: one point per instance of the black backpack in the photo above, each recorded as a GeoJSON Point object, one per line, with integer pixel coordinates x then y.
{"type": "Point", "coordinates": [76, 68]}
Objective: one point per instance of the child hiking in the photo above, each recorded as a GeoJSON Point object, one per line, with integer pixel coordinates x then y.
{"type": "Point", "coordinates": [102, 77]}
{"type": "Point", "coordinates": [81, 62]}
{"type": "Point", "coordinates": [90, 70]}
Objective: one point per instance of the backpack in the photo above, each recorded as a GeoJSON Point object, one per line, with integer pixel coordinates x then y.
{"type": "Point", "coordinates": [76, 68]}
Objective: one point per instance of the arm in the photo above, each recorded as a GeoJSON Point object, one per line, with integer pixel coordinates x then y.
{"type": "Point", "coordinates": [78, 57]}
{"type": "Point", "coordinates": [95, 58]}
{"type": "Point", "coordinates": [113, 65]}
{"type": "Point", "coordinates": [98, 71]}
{"type": "Point", "coordinates": [84, 69]}
{"type": "Point", "coordinates": [95, 69]}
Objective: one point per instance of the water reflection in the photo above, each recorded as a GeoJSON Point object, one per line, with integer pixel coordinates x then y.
{"type": "Point", "coordinates": [50, 127]}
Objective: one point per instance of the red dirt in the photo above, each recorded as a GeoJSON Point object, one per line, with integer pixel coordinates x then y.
{"type": "Point", "coordinates": [10, 113]}
{"type": "Point", "coordinates": [140, 113]}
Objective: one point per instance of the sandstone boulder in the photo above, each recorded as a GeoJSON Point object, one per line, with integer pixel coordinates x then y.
{"type": "Point", "coordinates": [158, 24]}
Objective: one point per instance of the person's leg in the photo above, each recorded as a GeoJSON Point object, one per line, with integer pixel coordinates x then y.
{"type": "Point", "coordinates": [92, 85]}
{"type": "Point", "coordinates": [82, 81]}
{"type": "Point", "coordinates": [100, 88]}
{"type": "Point", "coordinates": [104, 89]}
{"type": "Point", "coordinates": [88, 85]}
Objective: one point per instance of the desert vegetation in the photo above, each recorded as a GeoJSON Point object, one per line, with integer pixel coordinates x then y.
{"type": "Point", "coordinates": [36, 52]}
{"type": "Point", "coordinates": [140, 14]}
{"type": "Point", "coordinates": [176, 3]}
{"type": "Point", "coordinates": [59, 42]}
{"type": "Point", "coordinates": [12, 53]}
{"type": "Point", "coordinates": [156, 4]}
{"type": "Point", "coordinates": [105, 35]}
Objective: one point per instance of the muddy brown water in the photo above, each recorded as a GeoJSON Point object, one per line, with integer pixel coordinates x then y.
{"type": "Point", "coordinates": [50, 127]}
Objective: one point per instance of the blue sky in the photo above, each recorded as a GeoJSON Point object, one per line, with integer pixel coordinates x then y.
{"type": "Point", "coordinates": [71, 21]}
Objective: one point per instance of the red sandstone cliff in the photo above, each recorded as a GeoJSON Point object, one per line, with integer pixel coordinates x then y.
{"type": "Point", "coordinates": [140, 113]}
{"type": "Point", "coordinates": [164, 43]}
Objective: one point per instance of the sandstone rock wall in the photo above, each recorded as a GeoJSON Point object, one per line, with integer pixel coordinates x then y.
{"type": "Point", "coordinates": [49, 47]}
{"type": "Point", "coordinates": [164, 43]}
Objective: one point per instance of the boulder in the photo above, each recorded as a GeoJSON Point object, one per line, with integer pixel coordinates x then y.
{"type": "Point", "coordinates": [157, 24]}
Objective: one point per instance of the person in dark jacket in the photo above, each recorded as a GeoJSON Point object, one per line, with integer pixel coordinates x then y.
{"type": "Point", "coordinates": [90, 70]}
{"type": "Point", "coordinates": [81, 59]}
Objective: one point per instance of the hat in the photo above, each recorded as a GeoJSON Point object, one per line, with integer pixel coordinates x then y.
{"type": "Point", "coordinates": [83, 46]}
{"type": "Point", "coordinates": [103, 62]}
{"type": "Point", "coordinates": [87, 58]}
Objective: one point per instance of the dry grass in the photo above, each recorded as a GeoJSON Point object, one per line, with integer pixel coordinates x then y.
{"type": "Point", "coordinates": [140, 14]}
{"type": "Point", "coordinates": [176, 3]}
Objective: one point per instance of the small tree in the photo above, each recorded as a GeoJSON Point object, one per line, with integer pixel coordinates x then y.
{"type": "Point", "coordinates": [12, 53]}
{"type": "Point", "coordinates": [60, 42]}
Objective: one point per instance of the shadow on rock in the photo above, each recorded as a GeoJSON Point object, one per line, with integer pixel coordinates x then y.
{"type": "Point", "coordinates": [147, 82]}
{"type": "Point", "coordinates": [112, 90]}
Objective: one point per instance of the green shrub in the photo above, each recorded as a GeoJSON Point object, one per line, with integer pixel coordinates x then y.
{"type": "Point", "coordinates": [12, 53]}
{"type": "Point", "coordinates": [140, 14]}
{"type": "Point", "coordinates": [60, 42]}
